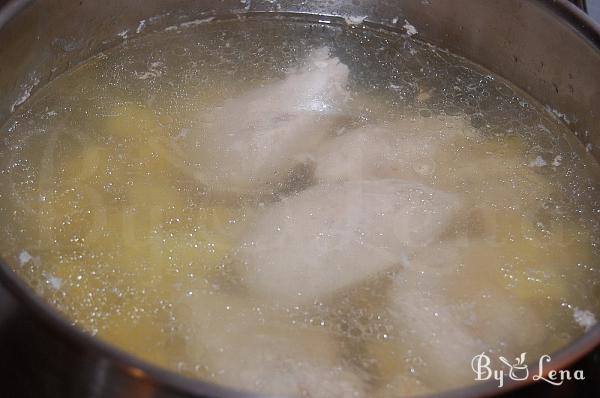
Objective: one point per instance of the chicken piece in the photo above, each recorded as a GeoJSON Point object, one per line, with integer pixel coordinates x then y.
{"type": "Point", "coordinates": [407, 148]}
{"type": "Point", "coordinates": [442, 150]}
{"type": "Point", "coordinates": [251, 143]}
{"type": "Point", "coordinates": [333, 236]}
{"type": "Point", "coordinates": [244, 344]}
{"type": "Point", "coordinates": [452, 309]}
{"type": "Point", "coordinates": [440, 337]}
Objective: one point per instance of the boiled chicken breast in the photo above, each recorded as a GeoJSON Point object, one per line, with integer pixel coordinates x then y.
{"type": "Point", "coordinates": [332, 236]}
{"type": "Point", "coordinates": [244, 345]}
{"type": "Point", "coordinates": [253, 142]}
{"type": "Point", "coordinates": [451, 309]}
{"type": "Point", "coordinates": [405, 148]}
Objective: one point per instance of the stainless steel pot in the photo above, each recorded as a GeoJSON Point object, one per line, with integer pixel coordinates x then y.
{"type": "Point", "coordinates": [549, 49]}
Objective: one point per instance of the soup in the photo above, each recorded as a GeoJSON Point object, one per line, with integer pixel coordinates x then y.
{"type": "Point", "coordinates": [301, 209]}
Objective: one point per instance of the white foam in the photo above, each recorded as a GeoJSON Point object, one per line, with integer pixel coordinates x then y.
{"type": "Point", "coordinates": [196, 22]}
{"type": "Point", "coordinates": [557, 160]}
{"type": "Point", "coordinates": [584, 318]}
{"type": "Point", "coordinates": [54, 282]}
{"type": "Point", "coordinates": [141, 26]}
{"type": "Point", "coordinates": [557, 114]}
{"type": "Point", "coordinates": [537, 162]}
{"type": "Point", "coordinates": [155, 70]}
{"type": "Point", "coordinates": [24, 257]}
{"type": "Point", "coordinates": [355, 20]}
{"type": "Point", "coordinates": [26, 93]}
{"type": "Point", "coordinates": [410, 29]}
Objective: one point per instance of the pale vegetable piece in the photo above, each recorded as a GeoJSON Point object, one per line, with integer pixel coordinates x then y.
{"type": "Point", "coordinates": [133, 122]}
{"type": "Point", "coordinates": [497, 173]}
{"type": "Point", "coordinates": [80, 168]}
{"type": "Point", "coordinates": [150, 147]}
{"type": "Point", "coordinates": [243, 345]}
{"type": "Point", "coordinates": [332, 236]}
{"type": "Point", "coordinates": [405, 148]}
{"type": "Point", "coordinates": [144, 148]}
{"type": "Point", "coordinates": [137, 275]}
{"type": "Point", "coordinates": [72, 217]}
{"type": "Point", "coordinates": [252, 142]}
{"type": "Point", "coordinates": [123, 211]}
{"type": "Point", "coordinates": [535, 258]}
{"type": "Point", "coordinates": [153, 197]}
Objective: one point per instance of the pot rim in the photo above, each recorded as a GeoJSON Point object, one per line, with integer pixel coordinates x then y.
{"type": "Point", "coordinates": [168, 380]}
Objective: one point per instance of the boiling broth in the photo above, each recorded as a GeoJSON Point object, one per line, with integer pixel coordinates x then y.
{"type": "Point", "coordinates": [422, 211]}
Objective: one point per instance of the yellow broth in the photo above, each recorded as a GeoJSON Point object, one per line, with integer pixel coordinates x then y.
{"type": "Point", "coordinates": [106, 215]}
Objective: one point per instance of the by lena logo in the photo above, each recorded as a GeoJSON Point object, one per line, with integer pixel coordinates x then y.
{"type": "Point", "coordinates": [519, 370]}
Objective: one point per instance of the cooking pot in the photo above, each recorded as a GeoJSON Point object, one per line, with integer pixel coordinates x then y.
{"type": "Point", "coordinates": [549, 49]}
